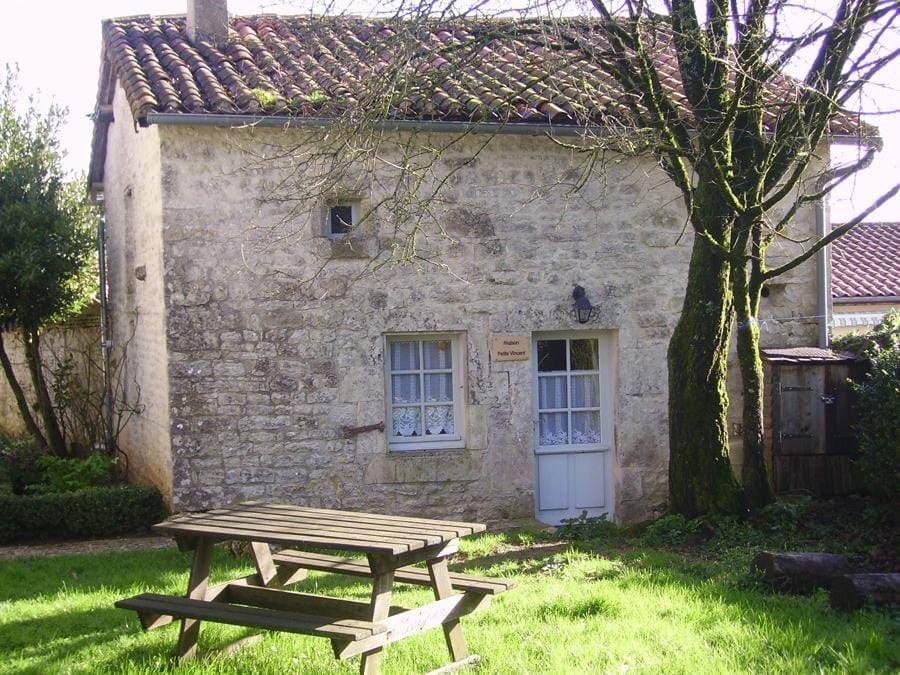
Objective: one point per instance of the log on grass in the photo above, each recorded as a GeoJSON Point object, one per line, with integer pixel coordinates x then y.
{"type": "Point", "coordinates": [800, 572]}
{"type": "Point", "coordinates": [852, 591]}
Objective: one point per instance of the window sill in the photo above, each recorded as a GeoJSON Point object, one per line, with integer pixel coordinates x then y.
{"type": "Point", "coordinates": [407, 448]}
{"type": "Point", "coordinates": [350, 247]}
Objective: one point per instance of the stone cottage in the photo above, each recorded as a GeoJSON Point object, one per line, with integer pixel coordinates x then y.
{"type": "Point", "coordinates": [278, 353]}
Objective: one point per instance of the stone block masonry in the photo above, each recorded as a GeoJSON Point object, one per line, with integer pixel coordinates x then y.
{"type": "Point", "coordinates": [262, 372]}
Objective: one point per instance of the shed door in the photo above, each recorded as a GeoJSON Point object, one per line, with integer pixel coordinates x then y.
{"type": "Point", "coordinates": [812, 423]}
{"type": "Point", "coordinates": [573, 426]}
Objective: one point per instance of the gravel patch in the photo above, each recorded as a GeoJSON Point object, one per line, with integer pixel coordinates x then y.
{"type": "Point", "coordinates": [50, 549]}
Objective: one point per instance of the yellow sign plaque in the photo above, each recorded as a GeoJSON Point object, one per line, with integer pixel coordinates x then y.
{"type": "Point", "coordinates": [510, 348]}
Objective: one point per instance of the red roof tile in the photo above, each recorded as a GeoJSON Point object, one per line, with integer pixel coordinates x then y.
{"type": "Point", "coordinates": [865, 262]}
{"type": "Point", "coordinates": [457, 70]}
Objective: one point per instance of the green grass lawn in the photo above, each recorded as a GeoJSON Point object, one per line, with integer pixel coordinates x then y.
{"type": "Point", "coordinates": [609, 605]}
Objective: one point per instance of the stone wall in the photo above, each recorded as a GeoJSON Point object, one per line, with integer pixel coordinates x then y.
{"type": "Point", "coordinates": [132, 202]}
{"type": "Point", "coordinates": [78, 341]}
{"type": "Point", "coordinates": [263, 369]}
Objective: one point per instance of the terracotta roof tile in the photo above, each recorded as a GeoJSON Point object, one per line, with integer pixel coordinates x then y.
{"type": "Point", "coordinates": [458, 70]}
{"type": "Point", "coordinates": [865, 262]}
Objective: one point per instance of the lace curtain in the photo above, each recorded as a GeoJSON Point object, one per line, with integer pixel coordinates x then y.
{"type": "Point", "coordinates": [421, 387]}
{"type": "Point", "coordinates": [584, 392]}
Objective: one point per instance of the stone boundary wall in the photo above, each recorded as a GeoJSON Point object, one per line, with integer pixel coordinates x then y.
{"type": "Point", "coordinates": [80, 339]}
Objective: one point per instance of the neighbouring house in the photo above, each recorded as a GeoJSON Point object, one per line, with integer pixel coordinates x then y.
{"type": "Point", "coordinates": [276, 358]}
{"type": "Point", "coordinates": [865, 277]}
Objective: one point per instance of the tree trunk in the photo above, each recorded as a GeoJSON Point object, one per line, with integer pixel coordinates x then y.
{"type": "Point", "coordinates": [754, 476]}
{"type": "Point", "coordinates": [700, 477]}
{"type": "Point", "coordinates": [22, 403]}
{"type": "Point", "coordinates": [55, 440]}
{"type": "Point", "coordinates": [852, 591]}
{"type": "Point", "coordinates": [800, 572]}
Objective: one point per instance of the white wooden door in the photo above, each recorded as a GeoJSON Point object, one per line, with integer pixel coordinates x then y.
{"type": "Point", "coordinates": [572, 425]}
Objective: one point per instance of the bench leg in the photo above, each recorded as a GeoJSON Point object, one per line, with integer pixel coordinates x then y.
{"type": "Point", "coordinates": [370, 663]}
{"type": "Point", "coordinates": [453, 634]}
{"type": "Point", "coordinates": [199, 579]}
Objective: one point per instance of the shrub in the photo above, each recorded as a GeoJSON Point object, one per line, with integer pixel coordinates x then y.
{"type": "Point", "coordinates": [585, 527]}
{"type": "Point", "coordinates": [671, 530]}
{"type": "Point", "coordinates": [878, 428]}
{"type": "Point", "coordinates": [21, 458]}
{"type": "Point", "coordinates": [93, 512]}
{"type": "Point", "coordinates": [71, 475]}
{"type": "Point", "coordinates": [781, 516]}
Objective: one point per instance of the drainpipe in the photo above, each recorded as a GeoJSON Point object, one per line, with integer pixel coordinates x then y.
{"type": "Point", "coordinates": [105, 343]}
{"type": "Point", "coordinates": [823, 276]}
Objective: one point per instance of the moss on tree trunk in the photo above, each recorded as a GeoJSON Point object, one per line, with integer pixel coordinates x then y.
{"type": "Point", "coordinates": [700, 477]}
{"type": "Point", "coordinates": [754, 476]}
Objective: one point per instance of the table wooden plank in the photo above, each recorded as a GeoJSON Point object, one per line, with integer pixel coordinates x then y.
{"type": "Point", "coordinates": [239, 615]}
{"type": "Point", "coordinates": [363, 532]}
{"type": "Point", "coordinates": [303, 519]}
{"type": "Point", "coordinates": [463, 528]}
{"type": "Point", "coordinates": [295, 601]}
{"type": "Point", "coordinates": [410, 575]}
{"type": "Point", "coordinates": [404, 624]}
{"type": "Point", "coordinates": [364, 520]}
{"type": "Point", "coordinates": [227, 519]}
{"type": "Point", "coordinates": [303, 522]}
{"type": "Point", "coordinates": [249, 534]}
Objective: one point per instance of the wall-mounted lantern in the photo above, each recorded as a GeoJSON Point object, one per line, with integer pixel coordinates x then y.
{"type": "Point", "coordinates": [582, 309]}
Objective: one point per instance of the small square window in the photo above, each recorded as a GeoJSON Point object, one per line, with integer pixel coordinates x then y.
{"type": "Point", "coordinates": [425, 391]}
{"type": "Point", "coordinates": [342, 219]}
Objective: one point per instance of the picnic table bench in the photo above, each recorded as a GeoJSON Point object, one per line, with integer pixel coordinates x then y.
{"type": "Point", "coordinates": [392, 545]}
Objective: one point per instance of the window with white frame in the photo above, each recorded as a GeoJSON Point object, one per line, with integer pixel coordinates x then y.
{"type": "Point", "coordinates": [424, 391]}
{"type": "Point", "coordinates": [569, 404]}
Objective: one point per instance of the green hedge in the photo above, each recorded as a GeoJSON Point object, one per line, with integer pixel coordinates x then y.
{"type": "Point", "coordinates": [93, 512]}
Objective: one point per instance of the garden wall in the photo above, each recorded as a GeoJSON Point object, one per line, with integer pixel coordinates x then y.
{"type": "Point", "coordinates": [77, 340]}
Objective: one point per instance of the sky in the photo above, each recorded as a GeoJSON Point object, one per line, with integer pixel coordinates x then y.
{"type": "Point", "coordinates": [56, 45]}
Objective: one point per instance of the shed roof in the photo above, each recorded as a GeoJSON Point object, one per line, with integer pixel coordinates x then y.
{"type": "Point", "coordinates": [807, 355]}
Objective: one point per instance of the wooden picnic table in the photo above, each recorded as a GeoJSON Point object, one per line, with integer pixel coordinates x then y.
{"type": "Point", "coordinates": [392, 546]}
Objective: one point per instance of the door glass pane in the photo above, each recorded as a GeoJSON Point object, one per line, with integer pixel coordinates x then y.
{"type": "Point", "coordinates": [438, 387]}
{"type": "Point", "coordinates": [438, 420]}
{"type": "Point", "coordinates": [437, 355]}
{"type": "Point", "coordinates": [586, 427]}
{"type": "Point", "coordinates": [551, 355]}
{"type": "Point", "coordinates": [406, 422]}
{"type": "Point", "coordinates": [552, 392]}
{"type": "Point", "coordinates": [405, 389]}
{"type": "Point", "coordinates": [554, 428]}
{"type": "Point", "coordinates": [405, 355]}
{"type": "Point", "coordinates": [584, 354]}
{"type": "Point", "coordinates": [585, 391]}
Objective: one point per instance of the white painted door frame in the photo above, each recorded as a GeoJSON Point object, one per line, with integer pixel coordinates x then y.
{"type": "Point", "coordinates": [574, 476]}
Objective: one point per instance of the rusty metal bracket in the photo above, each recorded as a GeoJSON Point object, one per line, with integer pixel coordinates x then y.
{"type": "Point", "coordinates": [350, 432]}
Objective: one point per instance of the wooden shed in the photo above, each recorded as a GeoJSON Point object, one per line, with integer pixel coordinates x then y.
{"type": "Point", "coordinates": [813, 411]}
